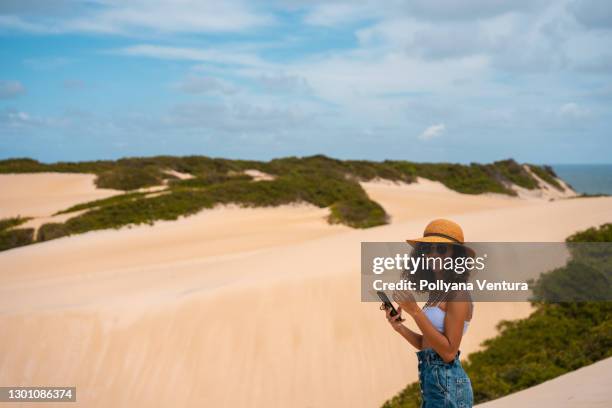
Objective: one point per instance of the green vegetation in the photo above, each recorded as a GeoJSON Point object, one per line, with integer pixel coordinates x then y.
{"type": "Point", "coordinates": [16, 237]}
{"type": "Point", "coordinates": [586, 276]}
{"type": "Point", "coordinates": [136, 172]}
{"type": "Point", "coordinates": [209, 179]}
{"type": "Point", "coordinates": [11, 237]}
{"type": "Point", "coordinates": [589, 195]}
{"type": "Point", "coordinates": [318, 180]}
{"type": "Point", "coordinates": [473, 179]}
{"type": "Point", "coordinates": [358, 213]}
{"type": "Point", "coordinates": [555, 339]}
{"type": "Point", "coordinates": [547, 174]}
{"type": "Point", "coordinates": [130, 178]}
{"type": "Point", "coordinates": [137, 211]}
{"type": "Point", "coordinates": [514, 172]}
{"type": "Point", "coordinates": [7, 223]}
{"type": "Point", "coordinates": [602, 233]}
{"type": "Point", "coordinates": [103, 202]}
{"type": "Point", "coordinates": [51, 230]}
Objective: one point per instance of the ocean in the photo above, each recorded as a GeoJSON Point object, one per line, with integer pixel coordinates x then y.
{"type": "Point", "coordinates": [586, 178]}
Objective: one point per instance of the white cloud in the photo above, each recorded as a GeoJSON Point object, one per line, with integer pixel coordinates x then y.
{"type": "Point", "coordinates": [331, 14]}
{"type": "Point", "coordinates": [226, 56]}
{"type": "Point", "coordinates": [433, 131]}
{"type": "Point", "coordinates": [131, 17]}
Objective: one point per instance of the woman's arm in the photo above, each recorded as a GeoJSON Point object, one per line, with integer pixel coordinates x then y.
{"type": "Point", "coordinates": [445, 344]}
{"type": "Point", "coordinates": [413, 338]}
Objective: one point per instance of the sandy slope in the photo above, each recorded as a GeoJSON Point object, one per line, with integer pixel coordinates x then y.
{"type": "Point", "coordinates": [42, 194]}
{"type": "Point", "coordinates": [429, 198]}
{"type": "Point", "coordinates": [235, 307]}
{"type": "Point", "coordinates": [586, 387]}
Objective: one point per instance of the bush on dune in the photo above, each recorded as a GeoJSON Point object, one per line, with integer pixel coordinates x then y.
{"type": "Point", "coordinates": [140, 211]}
{"type": "Point", "coordinates": [547, 174]}
{"type": "Point", "coordinates": [358, 213]}
{"type": "Point", "coordinates": [16, 237]}
{"type": "Point", "coordinates": [103, 202]}
{"type": "Point", "coordinates": [130, 178]}
{"type": "Point", "coordinates": [513, 172]}
{"type": "Point", "coordinates": [51, 230]}
{"type": "Point", "coordinates": [472, 179]}
{"type": "Point", "coordinates": [7, 223]}
{"type": "Point", "coordinates": [208, 180]}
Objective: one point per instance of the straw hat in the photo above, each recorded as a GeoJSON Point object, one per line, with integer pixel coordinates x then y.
{"type": "Point", "coordinates": [443, 231]}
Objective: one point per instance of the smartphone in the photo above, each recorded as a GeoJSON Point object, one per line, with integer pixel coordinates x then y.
{"type": "Point", "coordinates": [388, 305]}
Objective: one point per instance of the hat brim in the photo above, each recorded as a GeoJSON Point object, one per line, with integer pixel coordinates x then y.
{"type": "Point", "coordinates": [442, 240]}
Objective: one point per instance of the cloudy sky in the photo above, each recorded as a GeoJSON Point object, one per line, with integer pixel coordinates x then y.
{"type": "Point", "coordinates": [420, 80]}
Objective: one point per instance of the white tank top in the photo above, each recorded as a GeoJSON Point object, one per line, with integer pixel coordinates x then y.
{"type": "Point", "coordinates": [436, 317]}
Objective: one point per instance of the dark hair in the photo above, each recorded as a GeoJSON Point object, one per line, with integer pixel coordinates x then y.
{"type": "Point", "coordinates": [449, 275]}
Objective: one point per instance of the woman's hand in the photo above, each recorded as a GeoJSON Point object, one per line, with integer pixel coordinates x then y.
{"type": "Point", "coordinates": [394, 321]}
{"type": "Point", "coordinates": [406, 302]}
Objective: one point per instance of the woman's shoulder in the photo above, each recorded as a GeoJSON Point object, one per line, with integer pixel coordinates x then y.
{"type": "Point", "coordinates": [459, 301]}
{"type": "Point", "coordinates": [459, 296]}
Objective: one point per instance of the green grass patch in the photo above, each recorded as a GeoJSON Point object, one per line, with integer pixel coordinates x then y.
{"type": "Point", "coordinates": [119, 198]}
{"type": "Point", "coordinates": [358, 213]}
{"type": "Point", "coordinates": [16, 237]}
{"type": "Point", "coordinates": [8, 223]}
{"type": "Point", "coordinates": [51, 230]}
{"type": "Point", "coordinates": [209, 179]}
{"type": "Point", "coordinates": [468, 179]}
{"type": "Point", "coordinates": [515, 173]}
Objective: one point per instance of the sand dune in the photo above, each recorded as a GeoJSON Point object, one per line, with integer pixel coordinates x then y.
{"type": "Point", "coordinates": [586, 387]}
{"type": "Point", "coordinates": [428, 198]}
{"type": "Point", "coordinates": [236, 307]}
{"type": "Point", "coordinates": [42, 194]}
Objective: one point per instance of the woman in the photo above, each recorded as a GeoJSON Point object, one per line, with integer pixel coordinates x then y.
{"type": "Point", "coordinates": [442, 321]}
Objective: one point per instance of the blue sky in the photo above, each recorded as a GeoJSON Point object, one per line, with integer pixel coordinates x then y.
{"type": "Point", "coordinates": [422, 80]}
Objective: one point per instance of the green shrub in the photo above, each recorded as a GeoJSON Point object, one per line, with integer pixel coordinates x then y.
{"type": "Point", "coordinates": [140, 211]}
{"type": "Point", "coordinates": [129, 178]}
{"type": "Point", "coordinates": [472, 179]}
{"type": "Point", "coordinates": [603, 233]}
{"type": "Point", "coordinates": [8, 223]}
{"type": "Point", "coordinates": [358, 213]}
{"type": "Point", "coordinates": [15, 237]}
{"type": "Point", "coordinates": [509, 170]}
{"type": "Point", "coordinates": [577, 281]}
{"type": "Point", "coordinates": [208, 180]}
{"type": "Point", "coordinates": [547, 174]}
{"type": "Point", "coordinates": [51, 230]}
{"type": "Point", "coordinates": [103, 202]}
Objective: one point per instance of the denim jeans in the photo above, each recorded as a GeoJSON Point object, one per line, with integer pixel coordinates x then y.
{"type": "Point", "coordinates": [443, 385]}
